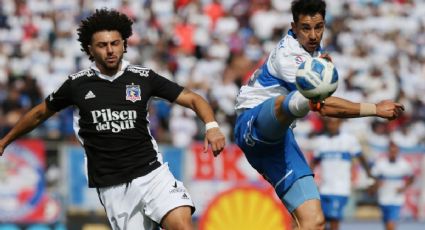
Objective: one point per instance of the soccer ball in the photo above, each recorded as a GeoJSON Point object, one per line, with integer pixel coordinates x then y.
{"type": "Point", "coordinates": [316, 78]}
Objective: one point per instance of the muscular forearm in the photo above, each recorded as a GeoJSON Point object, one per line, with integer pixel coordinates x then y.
{"type": "Point", "coordinates": [340, 108]}
{"type": "Point", "coordinates": [202, 109]}
{"type": "Point", "coordinates": [27, 123]}
{"type": "Point", "coordinates": [196, 103]}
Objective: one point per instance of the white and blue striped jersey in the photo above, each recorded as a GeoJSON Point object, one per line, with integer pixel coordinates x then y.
{"type": "Point", "coordinates": [277, 75]}
{"type": "Point", "coordinates": [392, 175]}
{"type": "Point", "coordinates": [335, 154]}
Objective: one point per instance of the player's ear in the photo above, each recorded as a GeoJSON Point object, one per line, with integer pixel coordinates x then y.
{"type": "Point", "coordinates": [90, 50]}
{"type": "Point", "coordinates": [293, 26]}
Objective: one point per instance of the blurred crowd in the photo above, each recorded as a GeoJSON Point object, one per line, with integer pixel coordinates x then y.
{"type": "Point", "coordinates": [212, 47]}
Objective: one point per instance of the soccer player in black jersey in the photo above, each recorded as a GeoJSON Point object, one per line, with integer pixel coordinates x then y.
{"type": "Point", "coordinates": [111, 101]}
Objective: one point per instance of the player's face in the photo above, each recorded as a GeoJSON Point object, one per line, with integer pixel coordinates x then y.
{"type": "Point", "coordinates": [309, 31]}
{"type": "Point", "coordinates": [393, 151]}
{"type": "Point", "coordinates": [332, 125]}
{"type": "Point", "coordinates": [107, 49]}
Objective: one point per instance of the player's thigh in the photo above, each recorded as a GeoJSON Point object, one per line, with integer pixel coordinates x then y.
{"type": "Point", "coordinates": [124, 207]}
{"type": "Point", "coordinates": [309, 215]}
{"type": "Point", "coordinates": [303, 191]}
{"type": "Point", "coordinates": [178, 218]}
{"type": "Point", "coordinates": [166, 195]}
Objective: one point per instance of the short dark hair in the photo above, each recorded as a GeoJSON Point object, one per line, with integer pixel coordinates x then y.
{"type": "Point", "coordinates": [307, 7]}
{"type": "Point", "coordinates": [103, 19]}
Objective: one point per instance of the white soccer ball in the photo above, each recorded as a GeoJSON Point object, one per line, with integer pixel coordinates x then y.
{"type": "Point", "coordinates": [316, 78]}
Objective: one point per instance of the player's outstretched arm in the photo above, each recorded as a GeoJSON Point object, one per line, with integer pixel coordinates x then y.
{"type": "Point", "coordinates": [213, 135]}
{"type": "Point", "coordinates": [342, 108]}
{"type": "Point", "coordinates": [28, 122]}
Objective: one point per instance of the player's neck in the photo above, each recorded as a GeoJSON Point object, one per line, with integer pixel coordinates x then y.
{"type": "Point", "coordinates": [108, 71]}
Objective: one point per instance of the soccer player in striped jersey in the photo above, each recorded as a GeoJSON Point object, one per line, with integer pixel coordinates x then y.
{"type": "Point", "coordinates": [334, 151]}
{"type": "Point", "coordinates": [269, 104]}
{"type": "Point", "coordinates": [394, 175]}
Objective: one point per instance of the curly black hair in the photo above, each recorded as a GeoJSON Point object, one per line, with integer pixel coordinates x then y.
{"type": "Point", "coordinates": [103, 19]}
{"type": "Point", "coordinates": [307, 7]}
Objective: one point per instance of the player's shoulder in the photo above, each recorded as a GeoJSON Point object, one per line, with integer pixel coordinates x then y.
{"type": "Point", "coordinates": [289, 52]}
{"type": "Point", "coordinates": [403, 161]}
{"type": "Point", "coordinates": [140, 70]}
{"type": "Point", "coordinates": [349, 137]}
{"type": "Point", "coordinates": [82, 73]}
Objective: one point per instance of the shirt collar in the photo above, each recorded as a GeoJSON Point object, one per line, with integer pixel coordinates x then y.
{"type": "Point", "coordinates": [124, 65]}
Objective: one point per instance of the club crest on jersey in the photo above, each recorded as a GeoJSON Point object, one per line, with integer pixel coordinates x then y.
{"type": "Point", "coordinates": [132, 93]}
{"type": "Point", "coordinates": [299, 59]}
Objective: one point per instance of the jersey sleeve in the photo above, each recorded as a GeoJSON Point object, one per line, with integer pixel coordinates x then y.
{"type": "Point", "coordinates": [284, 65]}
{"type": "Point", "coordinates": [60, 98]}
{"type": "Point", "coordinates": [355, 147]}
{"type": "Point", "coordinates": [376, 169]}
{"type": "Point", "coordinates": [408, 170]}
{"type": "Point", "coordinates": [164, 88]}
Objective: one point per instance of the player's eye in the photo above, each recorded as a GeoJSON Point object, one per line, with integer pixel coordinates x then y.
{"type": "Point", "coordinates": [305, 28]}
{"type": "Point", "coordinates": [116, 43]}
{"type": "Point", "coordinates": [319, 27]}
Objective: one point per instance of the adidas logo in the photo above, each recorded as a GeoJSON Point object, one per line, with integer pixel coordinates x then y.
{"type": "Point", "coordinates": [185, 196]}
{"type": "Point", "coordinates": [89, 95]}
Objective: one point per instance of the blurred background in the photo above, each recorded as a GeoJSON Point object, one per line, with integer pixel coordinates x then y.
{"type": "Point", "coordinates": [210, 47]}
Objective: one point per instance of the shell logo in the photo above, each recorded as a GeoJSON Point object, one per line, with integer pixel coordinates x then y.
{"type": "Point", "coordinates": [246, 208]}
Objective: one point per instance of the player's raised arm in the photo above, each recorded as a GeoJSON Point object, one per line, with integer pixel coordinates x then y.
{"type": "Point", "coordinates": [28, 122]}
{"type": "Point", "coordinates": [342, 108]}
{"type": "Point", "coordinates": [201, 107]}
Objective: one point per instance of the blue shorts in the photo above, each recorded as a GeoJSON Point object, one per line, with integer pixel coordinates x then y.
{"type": "Point", "coordinates": [390, 212]}
{"type": "Point", "coordinates": [333, 206]}
{"type": "Point", "coordinates": [281, 162]}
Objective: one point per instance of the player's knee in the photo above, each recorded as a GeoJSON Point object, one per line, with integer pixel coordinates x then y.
{"type": "Point", "coordinates": [183, 226]}
{"type": "Point", "coordinates": [314, 222]}
{"type": "Point", "coordinates": [180, 224]}
{"type": "Point", "coordinates": [178, 219]}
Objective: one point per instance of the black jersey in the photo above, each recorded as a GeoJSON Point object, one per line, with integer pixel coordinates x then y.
{"type": "Point", "coordinates": [110, 120]}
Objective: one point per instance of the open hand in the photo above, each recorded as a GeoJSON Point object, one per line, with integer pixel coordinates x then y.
{"type": "Point", "coordinates": [216, 139]}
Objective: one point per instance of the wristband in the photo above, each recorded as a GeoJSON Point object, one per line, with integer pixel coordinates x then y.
{"type": "Point", "coordinates": [315, 106]}
{"type": "Point", "coordinates": [211, 125]}
{"type": "Point", "coordinates": [367, 109]}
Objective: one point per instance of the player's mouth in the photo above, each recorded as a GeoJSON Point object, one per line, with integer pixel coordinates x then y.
{"type": "Point", "coordinates": [313, 44]}
{"type": "Point", "coordinates": [111, 59]}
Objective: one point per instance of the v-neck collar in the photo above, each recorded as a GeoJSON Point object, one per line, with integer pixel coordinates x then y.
{"type": "Point", "coordinates": [124, 65]}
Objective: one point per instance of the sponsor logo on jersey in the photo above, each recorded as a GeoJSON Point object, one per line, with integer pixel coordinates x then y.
{"type": "Point", "coordinates": [132, 93]}
{"type": "Point", "coordinates": [116, 121]}
{"type": "Point", "coordinates": [86, 72]}
{"type": "Point", "coordinates": [144, 72]}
